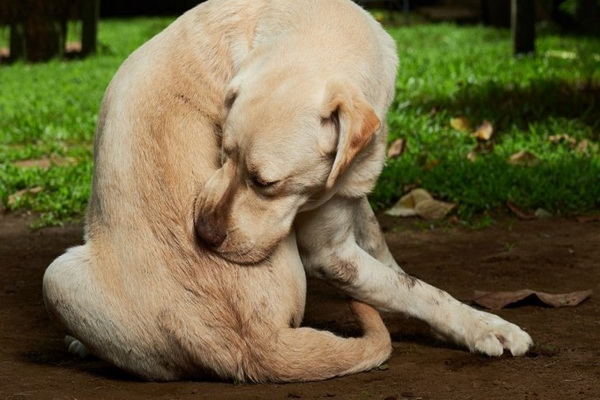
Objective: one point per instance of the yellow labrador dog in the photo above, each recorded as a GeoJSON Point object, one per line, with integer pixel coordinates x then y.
{"type": "Point", "coordinates": [233, 149]}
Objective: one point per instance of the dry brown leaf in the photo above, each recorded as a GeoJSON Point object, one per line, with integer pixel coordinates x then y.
{"type": "Point", "coordinates": [41, 163]}
{"type": "Point", "coordinates": [484, 132]}
{"type": "Point", "coordinates": [582, 147]}
{"type": "Point", "coordinates": [45, 162]}
{"type": "Point", "coordinates": [433, 209]}
{"type": "Point", "coordinates": [562, 138]}
{"type": "Point", "coordinates": [431, 164]}
{"type": "Point", "coordinates": [397, 148]}
{"type": "Point", "coordinates": [498, 300]}
{"type": "Point", "coordinates": [518, 212]}
{"type": "Point", "coordinates": [406, 206]}
{"type": "Point", "coordinates": [588, 218]}
{"type": "Point", "coordinates": [419, 202]}
{"type": "Point", "coordinates": [13, 198]}
{"type": "Point", "coordinates": [461, 124]}
{"type": "Point", "coordinates": [523, 157]}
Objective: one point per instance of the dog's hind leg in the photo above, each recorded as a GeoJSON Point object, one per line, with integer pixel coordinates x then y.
{"type": "Point", "coordinates": [71, 297]}
{"type": "Point", "coordinates": [94, 316]}
{"type": "Point", "coordinates": [306, 354]}
{"type": "Point", "coordinates": [67, 285]}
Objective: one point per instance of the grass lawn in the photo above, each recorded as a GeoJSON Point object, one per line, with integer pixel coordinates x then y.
{"type": "Point", "coordinates": [449, 78]}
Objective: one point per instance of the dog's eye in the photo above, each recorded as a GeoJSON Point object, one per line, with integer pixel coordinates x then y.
{"type": "Point", "coordinates": [257, 181]}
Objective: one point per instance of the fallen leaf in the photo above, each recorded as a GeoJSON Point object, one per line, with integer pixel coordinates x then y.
{"type": "Point", "coordinates": [562, 138]}
{"type": "Point", "coordinates": [590, 218]}
{"type": "Point", "coordinates": [397, 148]}
{"type": "Point", "coordinates": [582, 147]}
{"type": "Point", "coordinates": [484, 132]}
{"type": "Point", "coordinates": [419, 202]}
{"type": "Point", "coordinates": [13, 198]}
{"type": "Point", "coordinates": [461, 124]}
{"type": "Point", "coordinates": [498, 300]}
{"type": "Point", "coordinates": [41, 163]}
{"type": "Point", "coordinates": [523, 157]}
{"type": "Point", "coordinates": [406, 206]}
{"type": "Point", "coordinates": [433, 209]}
{"type": "Point", "coordinates": [519, 213]}
{"type": "Point", "coordinates": [431, 164]}
{"type": "Point", "coordinates": [45, 162]}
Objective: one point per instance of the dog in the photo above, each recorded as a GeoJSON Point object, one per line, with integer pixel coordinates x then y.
{"type": "Point", "coordinates": [143, 292]}
{"type": "Point", "coordinates": [234, 152]}
{"type": "Point", "coordinates": [303, 143]}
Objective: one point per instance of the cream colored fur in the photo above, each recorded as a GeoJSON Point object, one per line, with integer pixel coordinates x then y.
{"type": "Point", "coordinates": [303, 141]}
{"type": "Point", "coordinates": [142, 293]}
{"type": "Point", "coordinates": [234, 149]}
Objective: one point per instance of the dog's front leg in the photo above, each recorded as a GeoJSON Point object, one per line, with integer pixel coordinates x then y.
{"type": "Point", "coordinates": [332, 248]}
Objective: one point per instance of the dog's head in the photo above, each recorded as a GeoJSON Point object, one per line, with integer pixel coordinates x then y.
{"type": "Point", "coordinates": [288, 145]}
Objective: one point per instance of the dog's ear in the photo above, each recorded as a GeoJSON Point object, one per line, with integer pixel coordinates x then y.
{"type": "Point", "coordinates": [355, 123]}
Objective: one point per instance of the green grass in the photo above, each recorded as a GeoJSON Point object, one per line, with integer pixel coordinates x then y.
{"type": "Point", "coordinates": [445, 72]}
{"type": "Point", "coordinates": [51, 110]}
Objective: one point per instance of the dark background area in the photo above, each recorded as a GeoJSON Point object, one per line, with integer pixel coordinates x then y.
{"type": "Point", "coordinates": [490, 12]}
{"type": "Point", "coordinates": [120, 8]}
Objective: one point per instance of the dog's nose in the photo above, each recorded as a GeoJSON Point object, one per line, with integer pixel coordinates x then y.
{"type": "Point", "coordinates": [210, 231]}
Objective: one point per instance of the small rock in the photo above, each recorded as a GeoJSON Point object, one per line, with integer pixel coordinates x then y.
{"type": "Point", "coordinates": [542, 214]}
{"type": "Point", "coordinates": [383, 367]}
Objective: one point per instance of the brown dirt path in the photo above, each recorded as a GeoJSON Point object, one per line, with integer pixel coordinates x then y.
{"type": "Point", "coordinates": [553, 256]}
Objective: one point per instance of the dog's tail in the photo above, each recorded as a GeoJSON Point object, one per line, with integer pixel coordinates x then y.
{"type": "Point", "coordinates": [305, 354]}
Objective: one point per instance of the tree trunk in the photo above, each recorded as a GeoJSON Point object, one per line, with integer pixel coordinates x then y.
{"type": "Point", "coordinates": [43, 37]}
{"type": "Point", "coordinates": [90, 14]}
{"type": "Point", "coordinates": [523, 26]}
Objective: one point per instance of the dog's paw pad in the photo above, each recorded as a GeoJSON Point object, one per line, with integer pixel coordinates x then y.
{"type": "Point", "coordinates": [76, 347]}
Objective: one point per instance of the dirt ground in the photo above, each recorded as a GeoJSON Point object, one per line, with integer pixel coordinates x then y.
{"type": "Point", "coordinates": [554, 256]}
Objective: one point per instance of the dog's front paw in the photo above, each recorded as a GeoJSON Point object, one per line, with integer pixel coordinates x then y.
{"type": "Point", "coordinates": [491, 335]}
